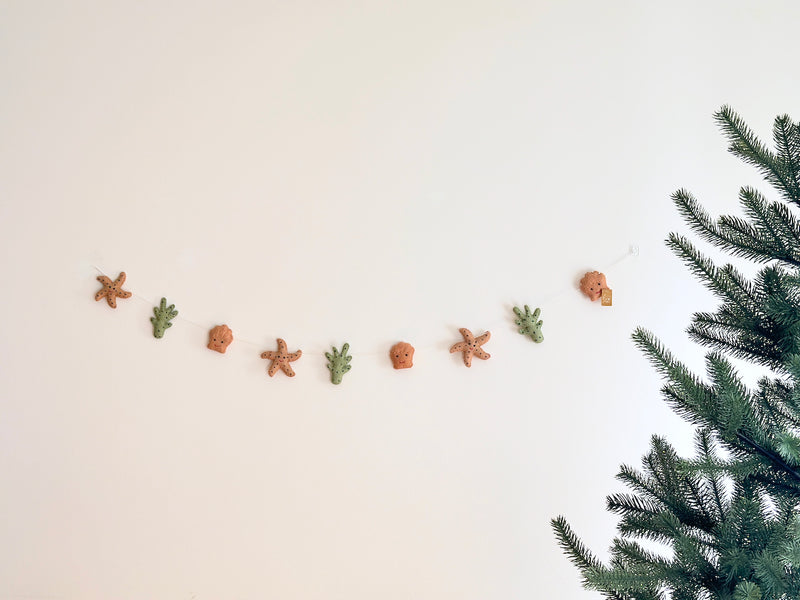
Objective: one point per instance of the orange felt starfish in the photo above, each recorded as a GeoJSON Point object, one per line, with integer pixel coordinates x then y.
{"type": "Point", "coordinates": [281, 359]}
{"type": "Point", "coordinates": [471, 346]}
{"type": "Point", "coordinates": [112, 289]}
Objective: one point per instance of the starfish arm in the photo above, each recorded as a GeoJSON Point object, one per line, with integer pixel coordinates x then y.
{"type": "Point", "coordinates": [269, 354]}
{"type": "Point", "coordinates": [291, 357]}
{"type": "Point", "coordinates": [273, 368]}
{"type": "Point", "coordinates": [468, 358]}
{"type": "Point", "coordinates": [286, 367]}
{"type": "Point", "coordinates": [481, 354]}
{"type": "Point", "coordinates": [111, 299]}
{"type": "Point", "coordinates": [124, 294]}
{"type": "Point", "coordinates": [482, 339]}
{"type": "Point", "coordinates": [459, 347]}
{"type": "Point", "coordinates": [107, 283]}
{"type": "Point", "coordinates": [120, 279]}
{"type": "Point", "coordinates": [468, 337]}
{"type": "Point", "coordinates": [281, 346]}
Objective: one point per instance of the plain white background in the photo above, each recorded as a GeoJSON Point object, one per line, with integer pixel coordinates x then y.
{"type": "Point", "coordinates": [362, 172]}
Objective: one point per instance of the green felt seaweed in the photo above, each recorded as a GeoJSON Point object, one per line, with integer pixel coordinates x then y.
{"type": "Point", "coordinates": [528, 323]}
{"type": "Point", "coordinates": [163, 315]}
{"type": "Point", "coordinates": [338, 363]}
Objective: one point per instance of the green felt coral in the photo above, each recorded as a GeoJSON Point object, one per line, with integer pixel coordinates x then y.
{"type": "Point", "coordinates": [338, 363]}
{"type": "Point", "coordinates": [163, 315]}
{"type": "Point", "coordinates": [529, 323]}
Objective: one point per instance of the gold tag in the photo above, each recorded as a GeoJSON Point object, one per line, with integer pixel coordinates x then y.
{"type": "Point", "coordinates": [605, 297]}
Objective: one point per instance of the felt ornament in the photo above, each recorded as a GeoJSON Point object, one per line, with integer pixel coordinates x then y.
{"type": "Point", "coordinates": [219, 338]}
{"type": "Point", "coordinates": [592, 285]}
{"type": "Point", "coordinates": [163, 317]}
{"type": "Point", "coordinates": [471, 346]}
{"type": "Point", "coordinates": [338, 363]}
{"type": "Point", "coordinates": [529, 323]}
{"type": "Point", "coordinates": [112, 289]}
{"type": "Point", "coordinates": [281, 359]}
{"type": "Point", "coordinates": [402, 355]}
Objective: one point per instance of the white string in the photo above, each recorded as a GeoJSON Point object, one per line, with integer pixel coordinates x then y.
{"type": "Point", "coordinates": [633, 251]}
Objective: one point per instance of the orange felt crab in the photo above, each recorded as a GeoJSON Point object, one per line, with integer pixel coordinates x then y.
{"type": "Point", "coordinates": [593, 284]}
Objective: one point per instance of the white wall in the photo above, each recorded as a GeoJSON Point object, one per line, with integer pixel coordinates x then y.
{"type": "Point", "coordinates": [347, 171]}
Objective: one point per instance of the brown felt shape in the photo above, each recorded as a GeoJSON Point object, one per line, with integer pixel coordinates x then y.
{"type": "Point", "coordinates": [402, 355]}
{"type": "Point", "coordinates": [593, 284]}
{"type": "Point", "coordinates": [281, 359]}
{"type": "Point", "coordinates": [219, 338]}
{"type": "Point", "coordinates": [112, 289]}
{"type": "Point", "coordinates": [471, 346]}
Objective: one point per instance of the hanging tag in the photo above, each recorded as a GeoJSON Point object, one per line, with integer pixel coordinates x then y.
{"type": "Point", "coordinates": [605, 297]}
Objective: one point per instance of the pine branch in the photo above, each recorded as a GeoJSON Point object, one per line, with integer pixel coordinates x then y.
{"type": "Point", "coordinates": [732, 412]}
{"type": "Point", "coordinates": [758, 348]}
{"type": "Point", "coordinates": [747, 590]}
{"type": "Point", "coordinates": [571, 544]}
{"type": "Point", "coordinates": [772, 457]}
{"type": "Point", "coordinates": [788, 447]}
{"type": "Point", "coordinates": [685, 406]}
{"type": "Point", "coordinates": [656, 528]}
{"type": "Point", "coordinates": [793, 368]}
{"type": "Point", "coordinates": [674, 371]}
{"type": "Point", "coordinates": [775, 221]}
{"type": "Point", "coordinates": [787, 141]}
{"type": "Point", "coordinates": [739, 237]}
{"type": "Point", "coordinates": [765, 226]}
{"type": "Point", "coordinates": [770, 574]}
{"type": "Point", "coordinates": [743, 142]}
{"type": "Point", "coordinates": [723, 282]}
{"type": "Point", "coordinates": [642, 483]}
{"type": "Point", "coordinates": [629, 504]}
{"type": "Point", "coordinates": [627, 583]}
{"type": "Point", "coordinates": [745, 145]}
{"type": "Point", "coordinates": [776, 401]}
{"type": "Point", "coordinates": [629, 552]}
{"type": "Point", "coordinates": [744, 239]}
{"type": "Point", "coordinates": [706, 452]}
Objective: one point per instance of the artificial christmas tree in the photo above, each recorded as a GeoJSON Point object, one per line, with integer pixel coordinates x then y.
{"type": "Point", "coordinates": [726, 522]}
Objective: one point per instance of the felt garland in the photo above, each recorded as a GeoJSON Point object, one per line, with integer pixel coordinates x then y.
{"type": "Point", "coordinates": [401, 354]}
